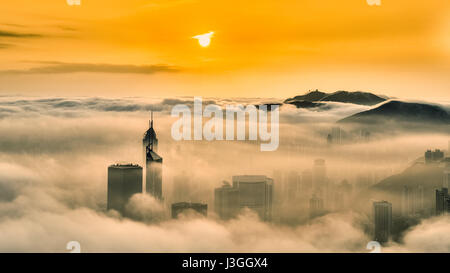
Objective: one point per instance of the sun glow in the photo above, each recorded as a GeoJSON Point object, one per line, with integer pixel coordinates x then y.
{"type": "Point", "coordinates": [204, 39]}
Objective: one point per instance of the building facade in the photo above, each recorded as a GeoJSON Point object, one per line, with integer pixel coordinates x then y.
{"type": "Point", "coordinates": [382, 214]}
{"type": "Point", "coordinates": [255, 193]}
{"type": "Point", "coordinates": [442, 201]}
{"type": "Point", "coordinates": [412, 200]}
{"type": "Point", "coordinates": [316, 207]}
{"type": "Point", "coordinates": [124, 180]}
{"type": "Point", "coordinates": [319, 177]}
{"type": "Point", "coordinates": [226, 201]}
{"type": "Point", "coordinates": [153, 163]}
{"type": "Point", "coordinates": [433, 156]}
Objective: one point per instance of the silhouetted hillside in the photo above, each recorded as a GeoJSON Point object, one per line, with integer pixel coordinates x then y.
{"type": "Point", "coordinates": [429, 176]}
{"type": "Point", "coordinates": [317, 98]}
{"type": "Point", "coordinates": [398, 111]}
{"type": "Point", "coordinates": [362, 98]}
{"type": "Point", "coordinates": [311, 97]}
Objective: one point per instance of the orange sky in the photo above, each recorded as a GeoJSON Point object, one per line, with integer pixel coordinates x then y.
{"type": "Point", "coordinates": [259, 48]}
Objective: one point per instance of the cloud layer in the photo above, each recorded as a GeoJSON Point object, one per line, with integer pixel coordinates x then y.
{"type": "Point", "coordinates": [54, 154]}
{"type": "Point", "coordinates": [64, 68]}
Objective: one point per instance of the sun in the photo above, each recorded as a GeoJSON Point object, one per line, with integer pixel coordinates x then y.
{"type": "Point", "coordinates": [204, 39]}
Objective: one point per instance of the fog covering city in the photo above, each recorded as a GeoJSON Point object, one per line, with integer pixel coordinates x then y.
{"type": "Point", "coordinates": [54, 155]}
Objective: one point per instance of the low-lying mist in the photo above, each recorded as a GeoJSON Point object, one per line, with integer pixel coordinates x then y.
{"type": "Point", "coordinates": [54, 154]}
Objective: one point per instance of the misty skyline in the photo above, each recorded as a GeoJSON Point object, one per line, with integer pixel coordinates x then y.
{"type": "Point", "coordinates": [55, 152]}
{"type": "Point", "coordinates": [224, 126]}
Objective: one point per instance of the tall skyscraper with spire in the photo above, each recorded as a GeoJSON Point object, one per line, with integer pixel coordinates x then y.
{"type": "Point", "coordinates": [153, 162]}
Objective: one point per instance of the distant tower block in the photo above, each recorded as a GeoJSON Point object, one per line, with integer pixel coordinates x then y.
{"type": "Point", "coordinates": [442, 201]}
{"type": "Point", "coordinates": [124, 180]}
{"type": "Point", "coordinates": [226, 201]}
{"type": "Point", "coordinates": [316, 207]}
{"type": "Point", "coordinates": [255, 193]}
{"type": "Point", "coordinates": [446, 182]}
{"type": "Point", "coordinates": [448, 149]}
{"type": "Point", "coordinates": [153, 163]}
{"type": "Point", "coordinates": [319, 177]}
{"type": "Point", "coordinates": [382, 214]}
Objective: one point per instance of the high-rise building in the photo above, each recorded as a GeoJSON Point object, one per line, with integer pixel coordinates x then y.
{"type": "Point", "coordinates": [306, 182]}
{"type": "Point", "coordinates": [329, 139]}
{"type": "Point", "coordinates": [153, 163]}
{"type": "Point", "coordinates": [255, 193]}
{"type": "Point", "coordinates": [320, 178]}
{"type": "Point", "coordinates": [316, 207]}
{"type": "Point", "coordinates": [342, 195]}
{"type": "Point", "coordinates": [124, 180]}
{"type": "Point", "coordinates": [226, 201]}
{"type": "Point", "coordinates": [382, 214]}
{"type": "Point", "coordinates": [435, 156]}
{"type": "Point", "coordinates": [185, 207]}
{"type": "Point", "coordinates": [364, 135]}
{"type": "Point", "coordinates": [412, 200]}
{"type": "Point", "coordinates": [419, 200]}
{"type": "Point", "coordinates": [446, 182]}
{"type": "Point", "coordinates": [336, 135]}
{"type": "Point", "coordinates": [407, 201]}
{"type": "Point", "coordinates": [442, 201]}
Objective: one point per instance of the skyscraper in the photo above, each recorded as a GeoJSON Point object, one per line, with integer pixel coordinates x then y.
{"type": "Point", "coordinates": [412, 200]}
{"type": "Point", "coordinates": [436, 156]}
{"type": "Point", "coordinates": [306, 182]}
{"type": "Point", "coordinates": [448, 149]}
{"type": "Point", "coordinates": [446, 182]}
{"type": "Point", "coordinates": [442, 201]}
{"type": "Point", "coordinates": [226, 201]}
{"type": "Point", "coordinates": [336, 135]}
{"type": "Point", "coordinates": [316, 207]}
{"type": "Point", "coordinates": [319, 177]}
{"type": "Point", "coordinates": [342, 195]}
{"type": "Point", "coordinates": [153, 163]}
{"type": "Point", "coordinates": [124, 180]}
{"type": "Point", "coordinates": [255, 192]}
{"type": "Point", "coordinates": [382, 214]}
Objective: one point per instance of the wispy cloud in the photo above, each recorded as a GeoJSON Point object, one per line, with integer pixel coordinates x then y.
{"type": "Point", "coordinates": [64, 68]}
{"type": "Point", "coordinates": [4, 45]}
{"type": "Point", "coordinates": [12, 34]}
{"type": "Point", "coordinates": [67, 28]}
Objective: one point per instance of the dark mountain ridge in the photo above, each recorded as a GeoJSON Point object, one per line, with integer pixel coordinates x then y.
{"type": "Point", "coordinates": [316, 98]}
{"type": "Point", "coordinates": [399, 111]}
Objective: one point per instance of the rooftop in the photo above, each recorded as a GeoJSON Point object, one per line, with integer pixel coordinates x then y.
{"type": "Point", "coordinates": [125, 166]}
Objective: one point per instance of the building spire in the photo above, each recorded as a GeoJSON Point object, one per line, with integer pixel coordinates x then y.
{"type": "Point", "coordinates": [151, 119]}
